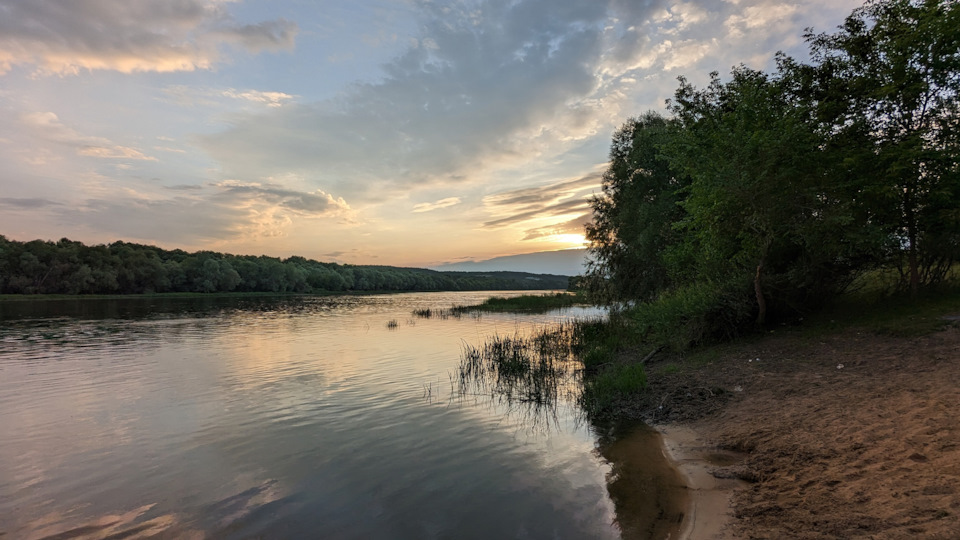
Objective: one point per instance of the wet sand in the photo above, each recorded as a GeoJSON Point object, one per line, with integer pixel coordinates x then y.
{"type": "Point", "coordinates": [708, 502]}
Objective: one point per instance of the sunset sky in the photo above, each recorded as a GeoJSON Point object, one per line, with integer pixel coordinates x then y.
{"type": "Point", "coordinates": [405, 132]}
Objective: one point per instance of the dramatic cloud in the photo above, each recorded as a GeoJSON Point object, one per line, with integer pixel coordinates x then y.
{"type": "Point", "coordinates": [484, 86]}
{"type": "Point", "coordinates": [68, 36]}
{"type": "Point", "coordinates": [442, 203]}
{"type": "Point", "coordinates": [489, 85]}
{"type": "Point", "coordinates": [545, 195]}
{"type": "Point", "coordinates": [548, 211]}
{"type": "Point", "coordinates": [468, 125]}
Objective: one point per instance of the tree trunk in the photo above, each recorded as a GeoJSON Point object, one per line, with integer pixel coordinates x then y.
{"type": "Point", "coordinates": [912, 238]}
{"type": "Point", "coordinates": [761, 302]}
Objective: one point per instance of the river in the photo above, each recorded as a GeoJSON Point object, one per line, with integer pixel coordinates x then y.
{"type": "Point", "coordinates": [306, 417]}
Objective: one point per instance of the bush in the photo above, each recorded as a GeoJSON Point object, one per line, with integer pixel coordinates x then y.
{"type": "Point", "coordinates": [693, 314]}
{"type": "Point", "coordinates": [602, 392]}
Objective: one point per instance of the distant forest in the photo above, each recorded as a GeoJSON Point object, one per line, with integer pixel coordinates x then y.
{"type": "Point", "coordinates": [68, 267]}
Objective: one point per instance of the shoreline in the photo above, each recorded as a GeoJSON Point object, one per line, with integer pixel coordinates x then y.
{"type": "Point", "coordinates": [709, 507]}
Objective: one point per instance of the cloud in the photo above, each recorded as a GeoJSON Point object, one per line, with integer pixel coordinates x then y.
{"type": "Point", "coordinates": [545, 194]}
{"type": "Point", "coordinates": [230, 211]}
{"type": "Point", "coordinates": [489, 85]}
{"type": "Point", "coordinates": [30, 203]}
{"type": "Point", "coordinates": [548, 211]}
{"type": "Point", "coordinates": [574, 226]}
{"type": "Point", "coordinates": [187, 96]}
{"type": "Point", "coordinates": [48, 127]}
{"type": "Point", "coordinates": [66, 37]}
{"type": "Point", "coordinates": [486, 85]}
{"type": "Point", "coordinates": [442, 203]}
{"type": "Point", "coordinates": [550, 202]}
{"type": "Point", "coordinates": [270, 99]}
{"type": "Point", "coordinates": [314, 204]}
{"type": "Point", "coordinates": [178, 219]}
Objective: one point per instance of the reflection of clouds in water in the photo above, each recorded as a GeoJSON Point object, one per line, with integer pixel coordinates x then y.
{"type": "Point", "coordinates": [303, 414]}
{"type": "Point", "coordinates": [125, 525]}
{"type": "Point", "coordinates": [147, 522]}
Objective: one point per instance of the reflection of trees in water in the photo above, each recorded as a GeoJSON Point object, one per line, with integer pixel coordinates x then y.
{"type": "Point", "coordinates": [39, 327]}
{"type": "Point", "coordinates": [535, 376]}
{"type": "Point", "coordinates": [649, 495]}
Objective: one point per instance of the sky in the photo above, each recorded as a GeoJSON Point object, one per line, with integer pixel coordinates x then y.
{"type": "Point", "coordinates": [401, 132]}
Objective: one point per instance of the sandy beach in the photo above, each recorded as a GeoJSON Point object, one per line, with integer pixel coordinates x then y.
{"type": "Point", "coordinates": [852, 435]}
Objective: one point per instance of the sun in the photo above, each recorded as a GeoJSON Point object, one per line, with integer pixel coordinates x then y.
{"type": "Point", "coordinates": [567, 241]}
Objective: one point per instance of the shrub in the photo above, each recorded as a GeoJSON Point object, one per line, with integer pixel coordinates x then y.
{"type": "Point", "coordinates": [692, 315]}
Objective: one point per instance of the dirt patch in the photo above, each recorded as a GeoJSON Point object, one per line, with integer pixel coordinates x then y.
{"type": "Point", "coordinates": [848, 436]}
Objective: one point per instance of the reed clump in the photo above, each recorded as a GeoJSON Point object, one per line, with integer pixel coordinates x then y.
{"type": "Point", "coordinates": [577, 362]}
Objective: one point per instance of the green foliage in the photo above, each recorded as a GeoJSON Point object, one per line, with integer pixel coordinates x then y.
{"type": "Point", "coordinates": [889, 80]}
{"type": "Point", "coordinates": [598, 342]}
{"type": "Point", "coordinates": [767, 195]}
{"type": "Point", "coordinates": [634, 216]}
{"type": "Point", "coordinates": [761, 204]}
{"type": "Point", "coordinates": [525, 303]}
{"type": "Point", "coordinates": [691, 315]}
{"type": "Point", "coordinates": [603, 391]}
{"type": "Point", "coordinates": [901, 315]}
{"type": "Point", "coordinates": [597, 356]}
{"type": "Point", "coordinates": [68, 267]}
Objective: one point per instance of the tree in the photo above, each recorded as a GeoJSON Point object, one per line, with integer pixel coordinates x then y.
{"type": "Point", "coordinates": [762, 207]}
{"type": "Point", "coordinates": [892, 72]}
{"type": "Point", "coordinates": [634, 216]}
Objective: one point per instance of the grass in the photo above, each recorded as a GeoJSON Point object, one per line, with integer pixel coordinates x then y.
{"type": "Point", "coordinates": [897, 315]}
{"type": "Point", "coordinates": [534, 370]}
{"type": "Point", "coordinates": [580, 361]}
{"type": "Point", "coordinates": [535, 303]}
{"type": "Point", "coordinates": [600, 360]}
{"type": "Point", "coordinates": [442, 314]}
{"type": "Point", "coordinates": [605, 390]}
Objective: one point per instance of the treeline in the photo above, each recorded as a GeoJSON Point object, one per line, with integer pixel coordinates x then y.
{"type": "Point", "coordinates": [760, 197]}
{"type": "Point", "coordinates": [68, 267]}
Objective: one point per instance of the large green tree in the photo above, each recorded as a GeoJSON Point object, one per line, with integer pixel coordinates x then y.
{"type": "Point", "coordinates": [890, 77]}
{"type": "Point", "coordinates": [634, 216]}
{"type": "Point", "coordinates": [761, 207]}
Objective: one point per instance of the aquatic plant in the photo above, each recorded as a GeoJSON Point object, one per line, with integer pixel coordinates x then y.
{"type": "Point", "coordinates": [566, 363]}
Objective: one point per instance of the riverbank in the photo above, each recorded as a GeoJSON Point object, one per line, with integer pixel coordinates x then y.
{"type": "Point", "coordinates": [850, 434]}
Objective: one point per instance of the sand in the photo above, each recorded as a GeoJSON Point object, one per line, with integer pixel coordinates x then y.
{"type": "Point", "coordinates": [850, 436]}
{"type": "Point", "coordinates": [708, 511]}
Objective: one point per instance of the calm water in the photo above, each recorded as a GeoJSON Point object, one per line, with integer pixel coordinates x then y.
{"type": "Point", "coordinates": [278, 418]}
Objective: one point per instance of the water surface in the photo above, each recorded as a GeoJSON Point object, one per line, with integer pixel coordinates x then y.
{"type": "Point", "coordinates": [278, 418]}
